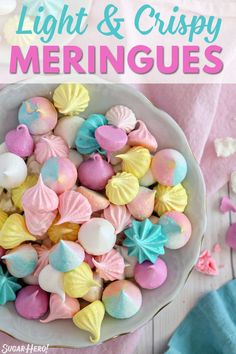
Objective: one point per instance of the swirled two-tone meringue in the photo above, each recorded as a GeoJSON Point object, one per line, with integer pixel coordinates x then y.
{"type": "Point", "coordinates": [50, 146]}
{"type": "Point", "coordinates": [142, 205]}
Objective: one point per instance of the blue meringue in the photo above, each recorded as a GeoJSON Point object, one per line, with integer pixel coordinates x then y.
{"type": "Point", "coordinates": [8, 287]}
{"type": "Point", "coordinates": [85, 140]}
{"type": "Point", "coordinates": [145, 241]}
{"type": "Point", "coordinates": [66, 256]}
{"type": "Point", "coordinates": [21, 261]}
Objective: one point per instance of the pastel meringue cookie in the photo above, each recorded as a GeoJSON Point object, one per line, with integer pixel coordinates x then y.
{"type": "Point", "coordinates": [110, 266]}
{"type": "Point", "coordinates": [122, 299]}
{"type": "Point", "coordinates": [142, 205]}
{"type": "Point", "coordinates": [7, 7]}
{"type": "Point", "coordinates": [71, 99]}
{"type": "Point", "coordinates": [116, 160]}
{"type": "Point", "coordinates": [61, 309]}
{"type": "Point", "coordinates": [97, 201]}
{"type": "Point", "coordinates": [39, 114]}
{"type": "Point", "coordinates": [21, 261]}
{"type": "Point", "coordinates": [141, 136]}
{"type": "Point", "coordinates": [110, 138]}
{"type": "Point", "coordinates": [79, 281]}
{"type": "Point", "coordinates": [170, 199]}
{"type": "Point", "coordinates": [169, 167]}
{"type": "Point", "coordinates": [177, 228]}
{"type": "Point", "coordinates": [102, 172]}
{"type": "Point", "coordinates": [67, 231]}
{"type": "Point", "coordinates": [136, 161]}
{"type": "Point", "coordinates": [3, 218]}
{"type": "Point", "coordinates": [8, 287]}
{"type": "Point", "coordinates": [13, 170]}
{"type": "Point", "coordinates": [40, 198]}
{"type": "Point", "coordinates": [148, 179]}
{"type": "Point", "coordinates": [119, 216]}
{"type": "Point", "coordinates": [90, 319]}
{"type": "Point", "coordinates": [150, 276]}
{"type": "Point", "coordinates": [32, 302]}
{"type": "Point", "coordinates": [51, 146]}
{"type": "Point", "coordinates": [88, 259]}
{"type": "Point", "coordinates": [33, 166]}
{"type": "Point", "coordinates": [97, 236]}
{"type": "Point", "coordinates": [95, 292]}
{"type": "Point", "coordinates": [10, 28]}
{"type": "Point", "coordinates": [225, 147]}
{"type": "Point", "coordinates": [14, 232]}
{"type": "Point", "coordinates": [52, 281]}
{"type": "Point", "coordinates": [121, 117]}
{"type": "Point", "coordinates": [75, 158]}
{"type": "Point", "coordinates": [74, 208]}
{"type": "Point", "coordinates": [145, 240]}
{"type": "Point", "coordinates": [37, 228]}
{"type": "Point", "coordinates": [67, 129]}
{"type": "Point", "coordinates": [85, 141]}
{"type": "Point", "coordinates": [19, 141]}
{"type": "Point", "coordinates": [18, 192]}
{"type": "Point", "coordinates": [130, 261]}
{"type": "Point", "coordinates": [43, 257]}
{"type": "Point", "coordinates": [122, 188]}
{"type": "Point", "coordinates": [66, 256]}
{"type": "Point", "coordinates": [59, 174]}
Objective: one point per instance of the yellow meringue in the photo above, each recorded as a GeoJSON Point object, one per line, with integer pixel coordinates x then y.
{"type": "Point", "coordinates": [136, 161]}
{"type": "Point", "coordinates": [79, 281]}
{"type": "Point", "coordinates": [71, 99]}
{"type": "Point", "coordinates": [18, 192]}
{"type": "Point", "coordinates": [170, 198]}
{"type": "Point", "coordinates": [14, 232]}
{"type": "Point", "coordinates": [90, 319]}
{"type": "Point", "coordinates": [3, 218]}
{"type": "Point", "coordinates": [66, 231]}
{"type": "Point", "coordinates": [122, 188]}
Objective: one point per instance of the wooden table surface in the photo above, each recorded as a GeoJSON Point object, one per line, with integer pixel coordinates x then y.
{"type": "Point", "coordinates": [156, 333]}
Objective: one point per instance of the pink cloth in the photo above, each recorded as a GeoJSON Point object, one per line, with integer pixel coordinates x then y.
{"type": "Point", "coordinates": [205, 112]}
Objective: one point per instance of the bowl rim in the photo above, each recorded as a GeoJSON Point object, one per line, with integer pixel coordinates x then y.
{"type": "Point", "coordinates": [189, 268]}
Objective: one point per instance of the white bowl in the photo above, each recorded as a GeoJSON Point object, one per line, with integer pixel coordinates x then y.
{"type": "Point", "coordinates": [64, 333]}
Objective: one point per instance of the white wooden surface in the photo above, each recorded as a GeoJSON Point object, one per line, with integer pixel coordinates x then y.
{"type": "Point", "coordinates": [156, 334]}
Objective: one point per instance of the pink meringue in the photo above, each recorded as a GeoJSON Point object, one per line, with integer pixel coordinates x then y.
{"type": "Point", "coordinates": [43, 254]}
{"type": "Point", "coordinates": [141, 136]}
{"type": "Point", "coordinates": [119, 217]}
{"type": "Point", "coordinates": [40, 198]}
{"type": "Point", "coordinates": [74, 208]}
{"type": "Point", "coordinates": [88, 259]}
{"type": "Point", "coordinates": [110, 266]}
{"type": "Point", "coordinates": [102, 172]}
{"type": "Point", "coordinates": [38, 223]}
{"type": "Point", "coordinates": [50, 146]}
{"type": "Point", "coordinates": [206, 264]}
{"type": "Point", "coordinates": [226, 205]}
{"type": "Point", "coordinates": [121, 117]}
{"type": "Point", "coordinates": [19, 141]}
{"type": "Point", "coordinates": [97, 201]}
{"type": "Point", "coordinates": [142, 205]}
{"type": "Point", "coordinates": [231, 236]}
{"type": "Point", "coordinates": [2, 252]}
{"type": "Point", "coordinates": [61, 309]}
{"type": "Point", "coordinates": [150, 276]}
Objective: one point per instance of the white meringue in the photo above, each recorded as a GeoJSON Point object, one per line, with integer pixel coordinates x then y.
{"type": "Point", "coordinates": [67, 129]}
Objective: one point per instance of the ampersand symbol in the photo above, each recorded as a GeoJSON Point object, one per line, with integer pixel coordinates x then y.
{"type": "Point", "coordinates": [113, 25]}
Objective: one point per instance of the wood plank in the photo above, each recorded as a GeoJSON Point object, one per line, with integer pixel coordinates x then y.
{"type": "Point", "coordinates": [198, 284]}
{"type": "Point", "coordinates": [233, 220]}
{"type": "Point", "coordinates": [145, 345]}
